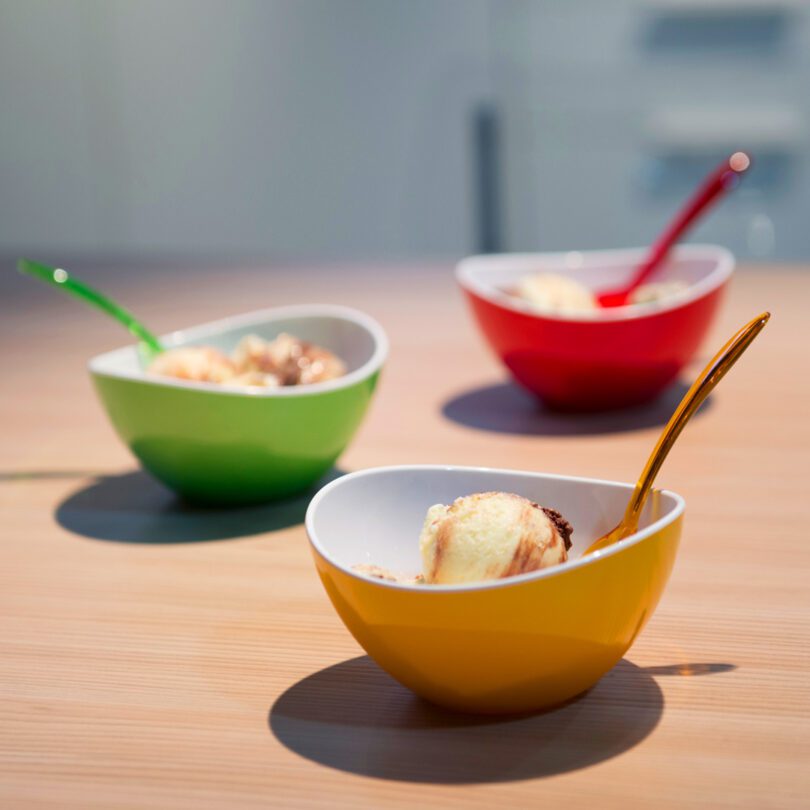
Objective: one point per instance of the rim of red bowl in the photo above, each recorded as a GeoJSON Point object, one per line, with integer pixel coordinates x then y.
{"type": "Point", "coordinates": [467, 269]}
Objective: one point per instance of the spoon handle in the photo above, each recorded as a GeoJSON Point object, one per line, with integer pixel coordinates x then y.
{"type": "Point", "coordinates": [61, 278]}
{"type": "Point", "coordinates": [724, 177]}
{"type": "Point", "coordinates": [717, 368]}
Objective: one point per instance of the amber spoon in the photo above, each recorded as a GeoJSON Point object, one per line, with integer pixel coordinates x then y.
{"type": "Point", "coordinates": [703, 385]}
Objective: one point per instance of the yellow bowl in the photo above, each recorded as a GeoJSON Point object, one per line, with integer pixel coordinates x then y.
{"type": "Point", "coordinates": [510, 645]}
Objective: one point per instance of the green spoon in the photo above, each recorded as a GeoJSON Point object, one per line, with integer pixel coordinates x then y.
{"type": "Point", "coordinates": [150, 345]}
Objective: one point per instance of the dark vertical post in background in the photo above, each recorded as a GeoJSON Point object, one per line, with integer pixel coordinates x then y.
{"type": "Point", "coordinates": [486, 171]}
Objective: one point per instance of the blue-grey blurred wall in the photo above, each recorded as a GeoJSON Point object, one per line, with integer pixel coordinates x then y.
{"type": "Point", "coordinates": [613, 111]}
{"type": "Point", "coordinates": [288, 127]}
{"type": "Point", "coordinates": [395, 128]}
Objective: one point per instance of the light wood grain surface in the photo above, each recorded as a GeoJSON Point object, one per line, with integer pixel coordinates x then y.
{"type": "Point", "coordinates": [156, 656]}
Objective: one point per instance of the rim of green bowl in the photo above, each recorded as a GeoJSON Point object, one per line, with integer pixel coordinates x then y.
{"type": "Point", "coordinates": [100, 364]}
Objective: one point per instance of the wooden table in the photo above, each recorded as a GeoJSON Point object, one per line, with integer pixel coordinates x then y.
{"type": "Point", "coordinates": [157, 656]}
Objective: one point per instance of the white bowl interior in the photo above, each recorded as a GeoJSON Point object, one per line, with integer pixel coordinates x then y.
{"type": "Point", "coordinates": [375, 516]}
{"type": "Point", "coordinates": [354, 337]}
{"type": "Point", "coordinates": [702, 267]}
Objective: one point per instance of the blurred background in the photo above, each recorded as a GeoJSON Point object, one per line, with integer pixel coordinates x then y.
{"type": "Point", "coordinates": [396, 129]}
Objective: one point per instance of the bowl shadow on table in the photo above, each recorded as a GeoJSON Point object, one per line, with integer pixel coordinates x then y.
{"type": "Point", "coordinates": [353, 717]}
{"type": "Point", "coordinates": [134, 508]}
{"type": "Point", "coordinates": [506, 408]}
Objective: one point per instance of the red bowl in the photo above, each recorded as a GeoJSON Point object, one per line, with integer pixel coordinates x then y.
{"type": "Point", "coordinates": [598, 360]}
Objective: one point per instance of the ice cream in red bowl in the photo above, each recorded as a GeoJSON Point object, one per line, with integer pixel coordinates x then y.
{"type": "Point", "coordinates": [581, 358]}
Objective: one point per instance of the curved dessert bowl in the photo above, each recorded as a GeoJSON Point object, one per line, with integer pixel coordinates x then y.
{"type": "Point", "coordinates": [508, 645]}
{"type": "Point", "coordinates": [221, 444]}
{"type": "Point", "coordinates": [603, 359]}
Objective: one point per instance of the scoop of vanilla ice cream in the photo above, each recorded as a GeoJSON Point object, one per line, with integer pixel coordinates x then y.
{"type": "Point", "coordinates": [657, 291]}
{"type": "Point", "coordinates": [550, 291]}
{"type": "Point", "coordinates": [198, 363]}
{"type": "Point", "coordinates": [490, 535]}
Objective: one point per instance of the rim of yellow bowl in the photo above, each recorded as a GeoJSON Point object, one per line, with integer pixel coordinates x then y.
{"type": "Point", "coordinates": [545, 573]}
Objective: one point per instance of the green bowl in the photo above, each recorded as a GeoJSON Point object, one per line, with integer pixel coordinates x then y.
{"type": "Point", "coordinates": [227, 445]}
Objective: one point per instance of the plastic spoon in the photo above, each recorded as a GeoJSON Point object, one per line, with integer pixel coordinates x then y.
{"type": "Point", "coordinates": [703, 385]}
{"type": "Point", "coordinates": [723, 178]}
{"type": "Point", "coordinates": [62, 279]}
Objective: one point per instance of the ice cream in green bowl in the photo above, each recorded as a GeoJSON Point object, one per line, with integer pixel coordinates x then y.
{"type": "Point", "coordinates": [237, 441]}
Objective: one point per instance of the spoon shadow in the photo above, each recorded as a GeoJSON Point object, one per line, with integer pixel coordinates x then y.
{"type": "Point", "coordinates": [134, 508]}
{"type": "Point", "coordinates": [43, 475]}
{"type": "Point", "coordinates": [506, 408]}
{"type": "Point", "coordinates": [353, 717]}
{"type": "Point", "coordinates": [690, 670]}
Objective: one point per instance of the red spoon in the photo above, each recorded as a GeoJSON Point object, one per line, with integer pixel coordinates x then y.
{"type": "Point", "coordinates": [723, 178]}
